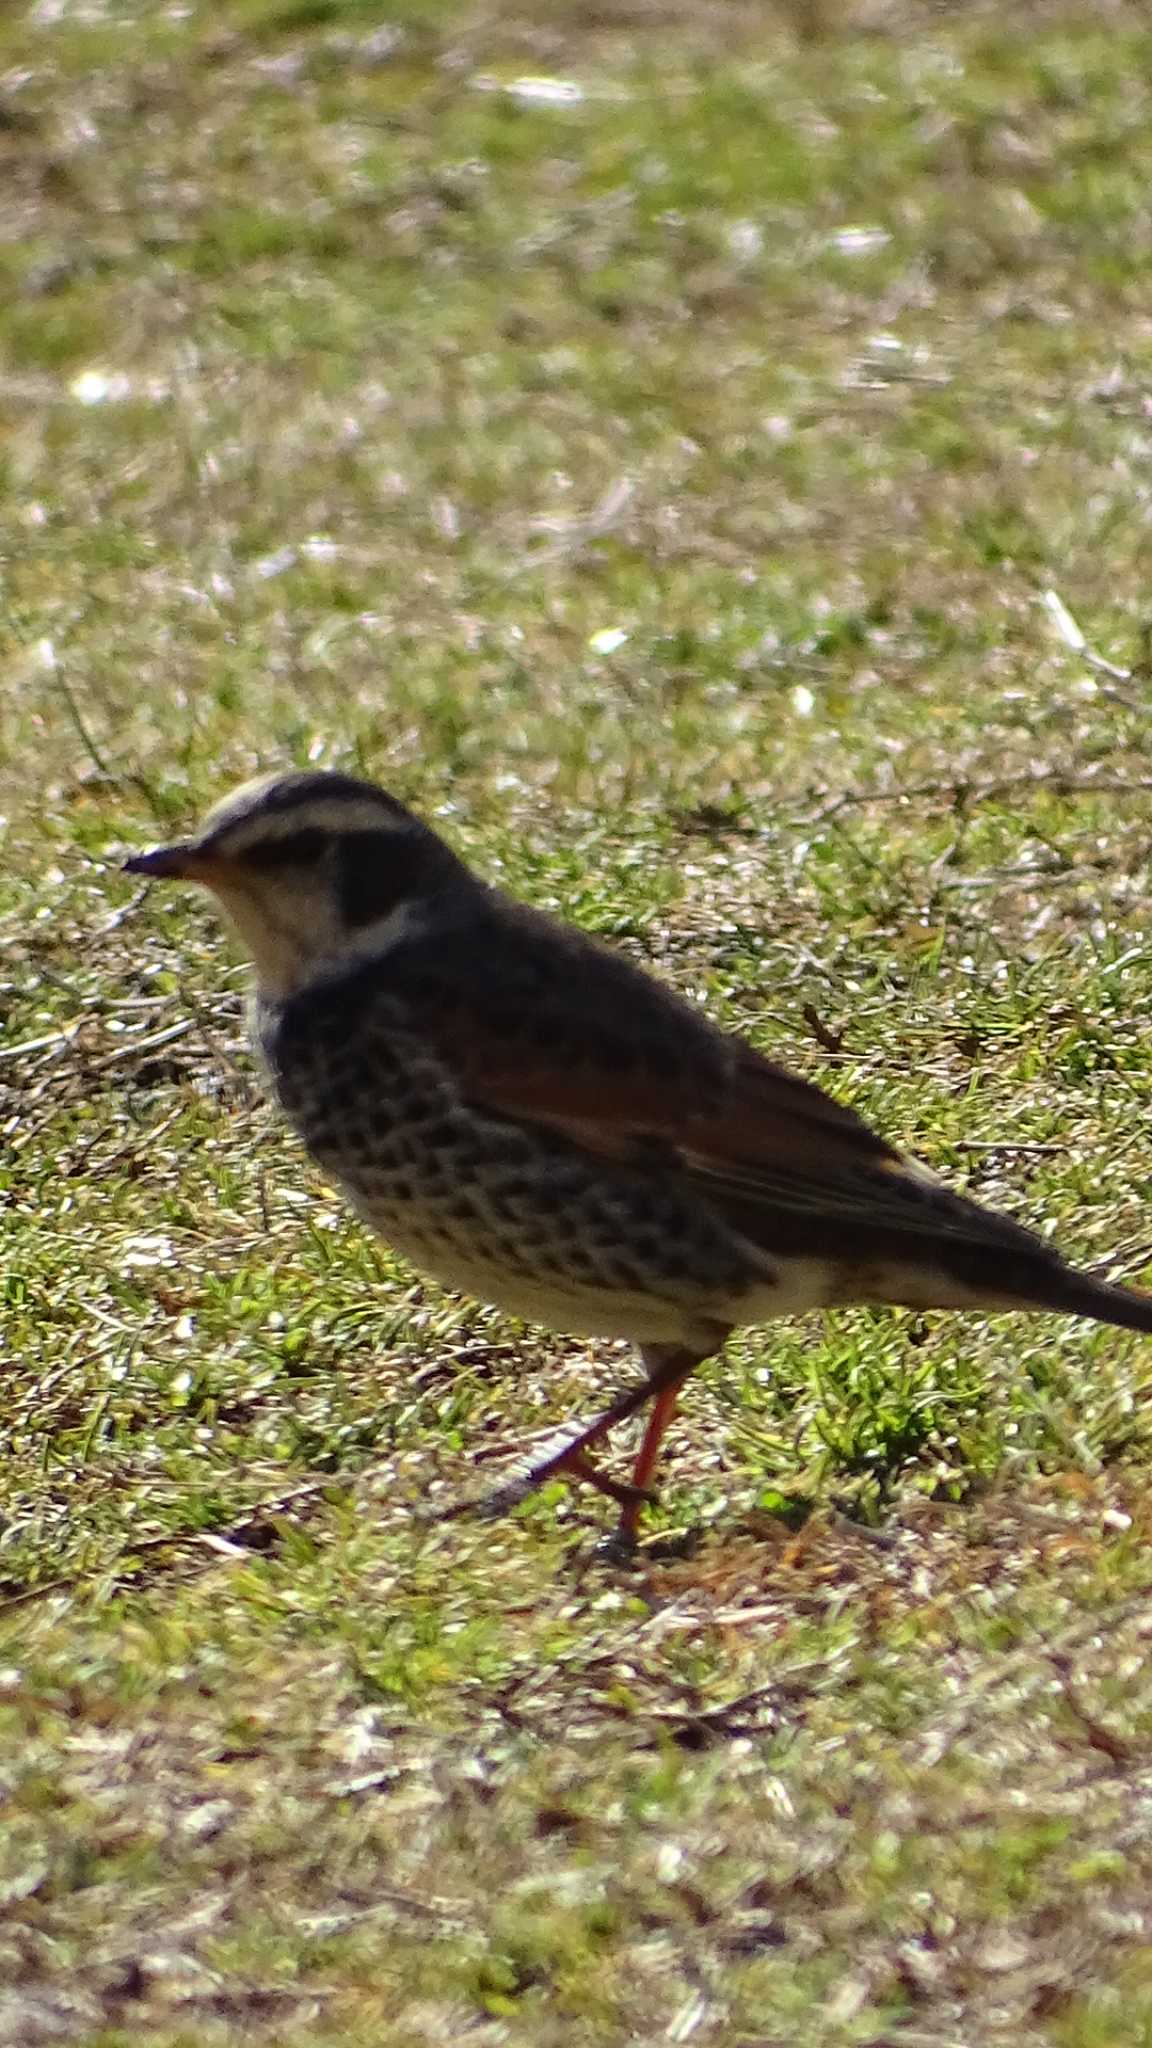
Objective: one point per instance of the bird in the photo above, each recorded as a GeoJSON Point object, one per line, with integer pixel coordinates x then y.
{"type": "Point", "coordinates": [535, 1120]}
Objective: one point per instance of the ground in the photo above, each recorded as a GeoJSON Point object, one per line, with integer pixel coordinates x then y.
{"type": "Point", "coordinates": [699, 454]}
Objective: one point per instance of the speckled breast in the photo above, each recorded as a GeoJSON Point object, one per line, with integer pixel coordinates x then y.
{"type": "Point", "coordinates": [511, 1213]}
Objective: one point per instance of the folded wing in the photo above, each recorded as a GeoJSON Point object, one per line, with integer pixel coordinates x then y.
{"type": "Point", "coordinates": [566, 1036]}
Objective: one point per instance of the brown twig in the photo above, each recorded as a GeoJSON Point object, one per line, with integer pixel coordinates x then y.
{"type": "Point", "coordinates": [825, 1036]}
{"type": "Point", "coordinates": [960, 792]}
{"type": "Point", "coordinates": [1098, 1736]}
{"type": "Point", "coordinates": [220, 1543]}
{"type": "Point", "coordinates": [1032, 1663]}
{"type": "Point", "coordinates": [1004, 1145]}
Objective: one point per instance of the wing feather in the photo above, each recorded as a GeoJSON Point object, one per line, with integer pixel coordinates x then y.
{"type": "Point", "coordinates": [543, 1027]}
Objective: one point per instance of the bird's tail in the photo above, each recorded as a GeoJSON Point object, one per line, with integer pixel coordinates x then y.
{"type": "Point", "coordinates": [1101, 1300]}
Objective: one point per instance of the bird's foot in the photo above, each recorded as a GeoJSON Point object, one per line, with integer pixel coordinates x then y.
{"type": "Point", "coordinates": [563, 1463]}
{"type": "Point", "coordinates": [617, 1548]}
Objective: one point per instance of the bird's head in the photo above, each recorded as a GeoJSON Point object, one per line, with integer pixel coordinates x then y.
{"type": "Point", "coordinates": [314, 869]}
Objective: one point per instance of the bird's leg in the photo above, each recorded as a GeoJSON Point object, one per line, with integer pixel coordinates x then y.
{"type": "Point", "coordinates": [663, 1409]}
{"type": "Point", "coordinates": [668, 1367]}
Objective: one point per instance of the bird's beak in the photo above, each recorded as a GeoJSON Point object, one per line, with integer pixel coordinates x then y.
{"type": "Point", "coordinates": [184, 861]}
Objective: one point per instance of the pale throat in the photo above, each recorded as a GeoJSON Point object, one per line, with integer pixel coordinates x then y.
{"type": "Point", "coordinates": [287, 938]}
{"type": "Point", "coordinates": [298, 937]}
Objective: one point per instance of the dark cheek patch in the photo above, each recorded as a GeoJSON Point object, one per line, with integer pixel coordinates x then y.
{"type": "Point", "coordinates": [375, 872]}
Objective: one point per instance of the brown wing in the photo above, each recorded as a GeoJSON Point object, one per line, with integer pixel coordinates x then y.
{"type": "Point", "coordinates": [729, 1110]}
{"type": "Point", "coordinates": [540, 1025]}
{"type": "Point", "coordinates": [539, 1021]}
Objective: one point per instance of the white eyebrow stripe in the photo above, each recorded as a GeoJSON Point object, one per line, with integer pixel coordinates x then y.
{"type": "Point", "coordinates": [335, 815]}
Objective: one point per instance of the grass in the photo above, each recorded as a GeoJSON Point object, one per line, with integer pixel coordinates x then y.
{"type": "Point", "coordinates": [656, 476]}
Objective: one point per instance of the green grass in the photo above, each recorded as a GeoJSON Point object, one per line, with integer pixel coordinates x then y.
{"type": "Point", "coordinates": [658, 483]}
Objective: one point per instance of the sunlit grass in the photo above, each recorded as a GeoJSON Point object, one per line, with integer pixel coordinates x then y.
{"type": "Point", "coordinates": [643, 438]}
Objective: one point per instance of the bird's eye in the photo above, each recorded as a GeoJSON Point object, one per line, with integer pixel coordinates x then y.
{"type": "Point", "coordinates": [296, 850]}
